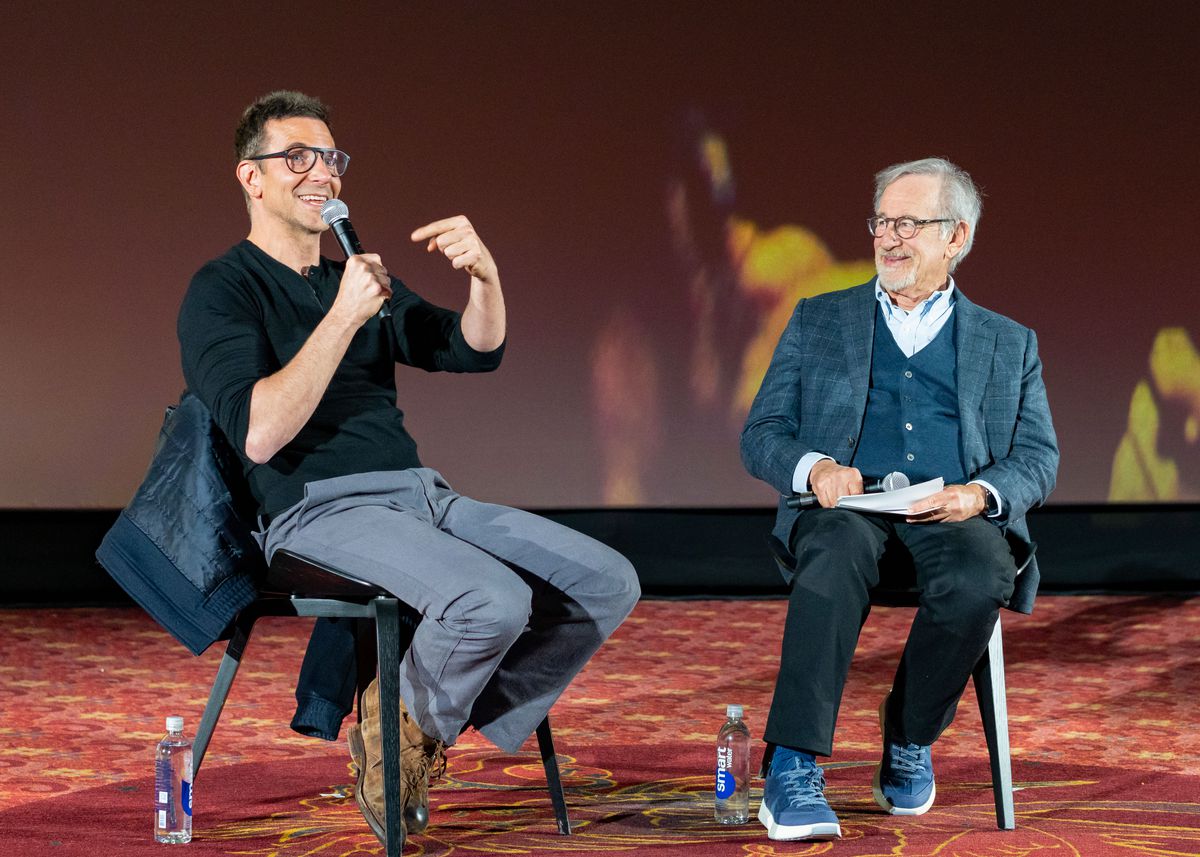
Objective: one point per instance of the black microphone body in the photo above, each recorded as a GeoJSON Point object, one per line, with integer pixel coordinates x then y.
{"type": "Point", "coordinates": [894, 481]}
{"type": "Point", "coordinates": [337, 215]}
{"type": "Point", "coordinates": [346, 237]}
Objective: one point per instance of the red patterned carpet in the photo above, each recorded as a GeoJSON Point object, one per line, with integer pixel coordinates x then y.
{"type": "Point", "coordinates": [1102, 702]}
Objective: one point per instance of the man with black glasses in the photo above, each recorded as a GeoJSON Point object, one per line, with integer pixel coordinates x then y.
{"type": "Point", "coordinates": [293, 357]}
{"type": "Point", "coordinates": [900, 374]}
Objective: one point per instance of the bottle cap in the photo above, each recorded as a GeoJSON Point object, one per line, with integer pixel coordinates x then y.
{"type": "Point", "coordinates": [733, 712]}
{"type": "Point", "coordinates": [174, 723]}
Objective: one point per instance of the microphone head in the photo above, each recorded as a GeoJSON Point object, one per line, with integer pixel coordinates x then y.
{"type": "Point", "coordinates": [894, 481]}
{"type": "Point", "coordinates": [334, 210]}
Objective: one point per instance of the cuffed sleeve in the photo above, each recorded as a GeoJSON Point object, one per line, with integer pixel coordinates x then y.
{"type": "Point", "coordinates": [430, 337]}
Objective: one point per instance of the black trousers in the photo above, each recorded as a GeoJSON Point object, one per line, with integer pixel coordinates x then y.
{"type": "Point", "coordinates": [328, 676]}
{"type": "Point", "coordinates": [964, 572]}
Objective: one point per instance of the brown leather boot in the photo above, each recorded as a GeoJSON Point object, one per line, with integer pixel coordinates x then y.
{"type": "Point", "coordinates": [420, 756]}
{"type": "Point", "coordinates": [366, 750]}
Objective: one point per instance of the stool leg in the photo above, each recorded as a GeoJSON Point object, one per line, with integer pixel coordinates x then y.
{"type": "Point", "coordinates": [387, 630]}
{"type": "Point", "coordinates": [553, 782]}
{"type": "Point", "coordinates": [365, 659]}
{"type": "Point", "coordinates": [220, 689]}
{"type": "Point", "coordinates": [993, 707]}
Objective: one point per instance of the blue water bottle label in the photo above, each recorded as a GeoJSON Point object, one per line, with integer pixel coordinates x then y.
{"type": "Point", "coordinates": [725, 783]}
{"type": "Point", "coordinates": [185, 794]}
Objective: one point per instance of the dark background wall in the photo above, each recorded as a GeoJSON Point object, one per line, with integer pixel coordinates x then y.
{"type": "Point", "coordinates": [561, 129]}
{"type": "Point", "coordinates": [47, 555]}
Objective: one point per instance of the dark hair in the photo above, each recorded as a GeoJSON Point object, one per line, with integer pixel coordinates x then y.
{"type": "Point", "coordinates": [281, 104]}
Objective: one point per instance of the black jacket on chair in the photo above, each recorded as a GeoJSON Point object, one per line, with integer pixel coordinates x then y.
{"type": "Point", "coordinates": [183, 548]}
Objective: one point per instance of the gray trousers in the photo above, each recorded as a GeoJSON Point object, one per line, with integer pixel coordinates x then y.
{"type": "Point", "coordinates": [512, 605]}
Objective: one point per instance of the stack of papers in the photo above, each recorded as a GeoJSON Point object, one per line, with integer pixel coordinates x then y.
{"type": "Point", "coordinates": [891, 502]}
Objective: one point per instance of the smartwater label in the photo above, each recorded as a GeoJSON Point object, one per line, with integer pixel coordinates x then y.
{"type": "Point", "coordinates": [725, 783]}
{"type": "Point", "coordinates": [185, 794]}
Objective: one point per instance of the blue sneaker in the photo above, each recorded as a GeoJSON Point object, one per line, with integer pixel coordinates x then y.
{"type": "Point", "coordinates": [904, 779]}
{"type": "Point", "coordinates": [793, 804]}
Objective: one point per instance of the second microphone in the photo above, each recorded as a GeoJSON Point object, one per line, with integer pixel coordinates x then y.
{"type": "Point", "coordinates": [894, 481]}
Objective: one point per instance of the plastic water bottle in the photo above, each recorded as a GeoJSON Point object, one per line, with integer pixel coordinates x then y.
{"type": "Point", "coordinates": [173, 786]}
{"type": "Point", "coordinates": [733, 769]}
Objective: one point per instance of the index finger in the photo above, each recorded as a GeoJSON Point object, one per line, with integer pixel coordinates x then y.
{"type": "Point", "coordinates": [430, 230]}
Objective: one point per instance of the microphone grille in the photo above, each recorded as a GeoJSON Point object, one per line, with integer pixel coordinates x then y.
{"type": "Point", "coordinates": [894, 481]}
{"type": "Point", "coordinates": [334, 210]}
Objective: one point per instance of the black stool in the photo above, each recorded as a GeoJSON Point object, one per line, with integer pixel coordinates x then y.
{"type": "Point", "coordinates": [296, 586]}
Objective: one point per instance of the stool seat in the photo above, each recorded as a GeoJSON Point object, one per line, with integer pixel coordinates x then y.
{"type": "Point", "coordinates": [292, 576]}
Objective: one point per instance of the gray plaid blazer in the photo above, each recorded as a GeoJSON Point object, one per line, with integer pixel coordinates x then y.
{"type": "Point", "coordinates": [814, 398]}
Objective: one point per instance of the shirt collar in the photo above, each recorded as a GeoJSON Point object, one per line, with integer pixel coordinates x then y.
{"type": "Point", "coordinates": [924, 307]}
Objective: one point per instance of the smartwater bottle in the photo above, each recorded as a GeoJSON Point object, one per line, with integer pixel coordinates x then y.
{"type": "Point", "coordinates": [173, 786]}
{"type": "Point", "coordinates": [733, 769]}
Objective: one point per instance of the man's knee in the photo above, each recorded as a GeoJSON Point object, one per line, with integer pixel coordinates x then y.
{"type": "Point", "coordinates": [492, 611]}
{"type": "Point", "coordinates": [965, 599]}
{"type": "Point", "coordinates": [627, 589]}
{"type": "Point", "coordinates": [609, 587]}
{"type": "Point", "coordinates": [971, 589]}
{"type": "Point", "coordinates": [976, 571]}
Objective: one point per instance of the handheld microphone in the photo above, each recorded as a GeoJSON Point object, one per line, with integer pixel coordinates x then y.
{"type": "Point", "coordinates": [894, 481]}
{"type": "Point", "coordinates": [336, 214]}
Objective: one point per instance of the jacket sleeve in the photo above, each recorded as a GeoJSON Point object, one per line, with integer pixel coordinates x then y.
{"type": "Point", "coordinates": [771, 445]}
{"type": "Point", "coordinates": [1026, 475]}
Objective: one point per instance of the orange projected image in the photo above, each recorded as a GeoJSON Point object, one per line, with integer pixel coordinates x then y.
{"type": "Point", "coordinates": [742, 283]}
{"type": "Point", "coordinates": [1158, 457]}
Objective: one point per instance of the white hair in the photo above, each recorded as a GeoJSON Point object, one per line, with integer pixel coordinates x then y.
{"type": "Point", "coordinates": [959, 199]}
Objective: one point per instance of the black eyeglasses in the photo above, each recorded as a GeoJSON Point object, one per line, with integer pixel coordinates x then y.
{"type": "Point", "coordinates": [906, 227]}
{"type": "Point", "coordinates": [301, 159]}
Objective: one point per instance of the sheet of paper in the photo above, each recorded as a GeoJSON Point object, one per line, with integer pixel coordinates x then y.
{"type": "Point", "coordinates": [891, 502]}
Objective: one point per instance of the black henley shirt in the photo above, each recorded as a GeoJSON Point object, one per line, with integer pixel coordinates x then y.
{"type": "Point", "coordinates": [245, 315]}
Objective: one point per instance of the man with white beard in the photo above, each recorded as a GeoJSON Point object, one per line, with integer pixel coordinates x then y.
{"type": "Point", "coordinates": [902, 374]}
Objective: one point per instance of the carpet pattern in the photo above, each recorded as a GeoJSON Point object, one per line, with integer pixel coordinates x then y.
{"type": "Point", "coordinates": [1102, 705]}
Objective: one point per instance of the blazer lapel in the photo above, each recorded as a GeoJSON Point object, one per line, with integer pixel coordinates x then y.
{"type": "Point", "coordinates": [975, 344]}
{"type": "Point", "coordinates": [858, 321]}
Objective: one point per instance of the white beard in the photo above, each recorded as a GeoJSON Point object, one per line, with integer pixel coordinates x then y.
{"type": "Point", "coordinates": [895, 284]}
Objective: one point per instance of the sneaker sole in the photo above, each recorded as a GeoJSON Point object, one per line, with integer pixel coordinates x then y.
{"type": "Point", "coordinates": [822, 831]}
{"type": "Point", "coordinates": [880, 798]}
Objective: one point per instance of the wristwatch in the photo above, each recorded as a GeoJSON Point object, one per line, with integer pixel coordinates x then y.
{"type": "Point", "coordinates": [991, 503]}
